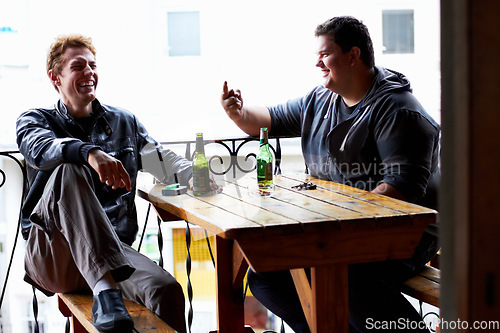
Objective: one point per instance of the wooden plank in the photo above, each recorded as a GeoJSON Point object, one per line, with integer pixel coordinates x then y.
{"type": "Point", "coordinates": [339, 214]}
{"type": "Point", "coordinates": [379, 205]}
{"type": "Point", "coordinates": [236, 212]}
{"type": "Point", "coordinates": [425, 286]}
{"type": "Point", "coordinates": [304, 291]}
{"type": "Point", "coordinates": [145, 320]}
{"type": "Point", "coordinates": [422, 289]}
{"type": "Point", "coordinates": [164, 215]}
{"type": "Point", "coordinates": [77, 326]}
{"type": "Point", "coordinates": [431, 273]}
{"type": "Point", "coordinates": [230, 310]}
{"type": "Point", "coordinates": [325, 247]}
{"type": "Point", "coordinates": [80, 305]}
{"type": "Point", "coordinates": [342, 200]}
{"type": "Point", "coordinates": [376, 199]}
{"type": "Point", "coordinates": [201, 213]}
{"type": "Point", "coordinates": [264, 211]}
{"type": "Point", "coordinates": [299, 199]}
{"type": "Point", "coordinates": [330, 314]}
{"type": "Point", "coordinates": [324, 300]}
{"type": "Point", "coordinates": [240, 267]}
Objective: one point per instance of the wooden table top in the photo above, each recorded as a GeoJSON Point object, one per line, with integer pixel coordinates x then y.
{"type": "Point", "coordinates": [331, 209]}
{"type": "Point", "coordinates": [239, 211]}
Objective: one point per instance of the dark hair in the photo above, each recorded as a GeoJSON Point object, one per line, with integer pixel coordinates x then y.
{"type": "Point", "coordinates": [347, 32]}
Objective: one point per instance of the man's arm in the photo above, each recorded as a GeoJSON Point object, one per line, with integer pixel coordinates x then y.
{"type": "Point", "coordinates": [42, 148]}
{"type": "Point", "coordinates": [110, 170]}
{"type": "Point", "coordinates": [249, 119]}
{"type": "Point", "coordinates": [389, 190]}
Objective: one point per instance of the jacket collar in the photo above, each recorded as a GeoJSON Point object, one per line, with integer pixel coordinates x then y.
{"type": "Point", "coordinates": [97, 109]}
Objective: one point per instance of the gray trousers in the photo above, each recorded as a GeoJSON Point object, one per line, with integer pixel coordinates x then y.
{"type": "Point", "coordinates": [72, 244]}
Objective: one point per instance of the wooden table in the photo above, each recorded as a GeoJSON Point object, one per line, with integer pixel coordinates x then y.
{"type": "Point", "coordinates": [324, 229]}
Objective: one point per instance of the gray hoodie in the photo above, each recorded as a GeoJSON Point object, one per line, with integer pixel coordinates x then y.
{"type": "Point", "coordinates": [388, 138]}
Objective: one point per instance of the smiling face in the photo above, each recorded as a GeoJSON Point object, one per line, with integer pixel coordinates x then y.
{"type": "Point", "coordinates": [77, 80]}
{"type": "Point", "coordinates": [334, 64]}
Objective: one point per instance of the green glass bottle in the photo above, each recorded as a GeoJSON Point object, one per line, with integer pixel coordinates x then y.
{"type": "Point", "coordinates": [201, 176]}
{"type": "Point", "coordinates": [264, 164]}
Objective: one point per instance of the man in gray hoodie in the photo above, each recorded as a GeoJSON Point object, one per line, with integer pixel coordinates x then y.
{"type": "Point", "coordinates": [363, 127]}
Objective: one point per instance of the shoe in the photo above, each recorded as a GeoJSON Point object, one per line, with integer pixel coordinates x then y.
{"type": "Point", "coordinates": [109, 312]}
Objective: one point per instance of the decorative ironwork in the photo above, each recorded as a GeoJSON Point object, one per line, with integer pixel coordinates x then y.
{"type": "Point", "coordinates": [19, 162]}
{"type": "Point", "coordinates": [233, 147]}
{"type": "Point", "coordinates": [21, 165]}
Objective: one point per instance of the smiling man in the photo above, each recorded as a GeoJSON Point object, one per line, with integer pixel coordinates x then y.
{"type": "Point", "coordinates": [83, 158]}
{"type": "Point", "coordinates": [362, 127]}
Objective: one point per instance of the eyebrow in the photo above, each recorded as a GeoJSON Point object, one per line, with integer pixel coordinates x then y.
{"type": "Point", "coordinates": [80, 60]}
{"type": "Point", "coordinates": [323, 51]}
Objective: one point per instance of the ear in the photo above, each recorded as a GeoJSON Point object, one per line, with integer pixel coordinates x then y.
{"type": "Point", "coordinates": [355, 55]}
{"type": "Point", "coordinates": [54, 78]}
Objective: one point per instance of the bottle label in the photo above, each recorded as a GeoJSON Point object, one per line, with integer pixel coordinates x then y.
{"type": "Point", "coordinates": [201, 180]}
{"type": "Point", "coordinates": [268, 171]}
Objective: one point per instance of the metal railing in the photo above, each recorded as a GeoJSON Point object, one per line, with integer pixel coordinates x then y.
{"type": "Point", "coordinates": [19, 161]}
{"type": "Point", "coordinates": [233, 145]}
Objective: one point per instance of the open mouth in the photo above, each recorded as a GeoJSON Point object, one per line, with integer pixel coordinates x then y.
{"type": "Point", "coordinates": [87, 84]}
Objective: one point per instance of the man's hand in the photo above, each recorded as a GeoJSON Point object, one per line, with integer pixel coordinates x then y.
{"type": "Point", "coordinates": [389, 190]}
{"type": "Point", "coordinates": [110, 170]}
{"type": "Point", "coordinates": [249, 118]}
{"type": "Point", "coordinates": [232, 102]}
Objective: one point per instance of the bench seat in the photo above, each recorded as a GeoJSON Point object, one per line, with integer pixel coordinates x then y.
{"type": "Point", "coordinates": [79, 308]}
{"type": "Point", "coordinates": [424, 286]}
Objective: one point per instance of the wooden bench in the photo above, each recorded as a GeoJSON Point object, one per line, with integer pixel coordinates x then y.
{"type": "Point", "coordinates": [79, 308]}
{"type": "Point", "coordinates": [424, 286]}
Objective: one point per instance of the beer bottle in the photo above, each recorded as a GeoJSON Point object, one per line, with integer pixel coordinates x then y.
{"type": "Point", "coordinates": [201, 177]}
{"type": "Point", "coordinates": [264, 164]}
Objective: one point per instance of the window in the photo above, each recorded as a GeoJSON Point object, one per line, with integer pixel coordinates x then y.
{"type": "Point", "coordinates": [398, 31]}
{"type": "Point", "coordinates": [183, 33]}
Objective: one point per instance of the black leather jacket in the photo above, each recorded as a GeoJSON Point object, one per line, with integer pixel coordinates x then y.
{"type": "Point", "coordinates": [50, 137]}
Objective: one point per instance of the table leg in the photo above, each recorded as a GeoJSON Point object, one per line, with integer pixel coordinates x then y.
{"type": "Point", "coordinates": [230, 310]}
{"type": "Point", "coordinates": [325, 300]}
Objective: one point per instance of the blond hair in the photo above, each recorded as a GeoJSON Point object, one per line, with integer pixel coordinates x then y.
{"type": "Point", "coordinates": [55, 56]}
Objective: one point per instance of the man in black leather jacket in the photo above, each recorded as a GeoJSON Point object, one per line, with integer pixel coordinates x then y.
{"type": "Point", "coordinates": [79, 218]}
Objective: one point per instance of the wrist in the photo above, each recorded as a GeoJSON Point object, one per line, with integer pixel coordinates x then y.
{"type": "Point", "coordinates": [243, 112]}
{"type": "Point", "coordinates": [89, 152]}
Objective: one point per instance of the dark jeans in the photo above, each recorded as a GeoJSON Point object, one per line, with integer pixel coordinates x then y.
{"type": "Point", "coordinates": [374, 292]}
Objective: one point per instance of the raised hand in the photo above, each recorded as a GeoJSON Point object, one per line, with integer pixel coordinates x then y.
{"type": "Point", "coordinates": [232, 102]}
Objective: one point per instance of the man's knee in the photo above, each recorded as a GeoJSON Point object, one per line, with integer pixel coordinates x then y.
{"type": "Point", "coordinates": [168, 291]}
{"type": "Point", "coordinates": [69, 177]}
{"type": "Point", "coordinates": [71, 171]}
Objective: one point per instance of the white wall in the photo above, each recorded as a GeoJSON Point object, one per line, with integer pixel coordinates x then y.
{"type": "Point", "coordinates": [265, 48]}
